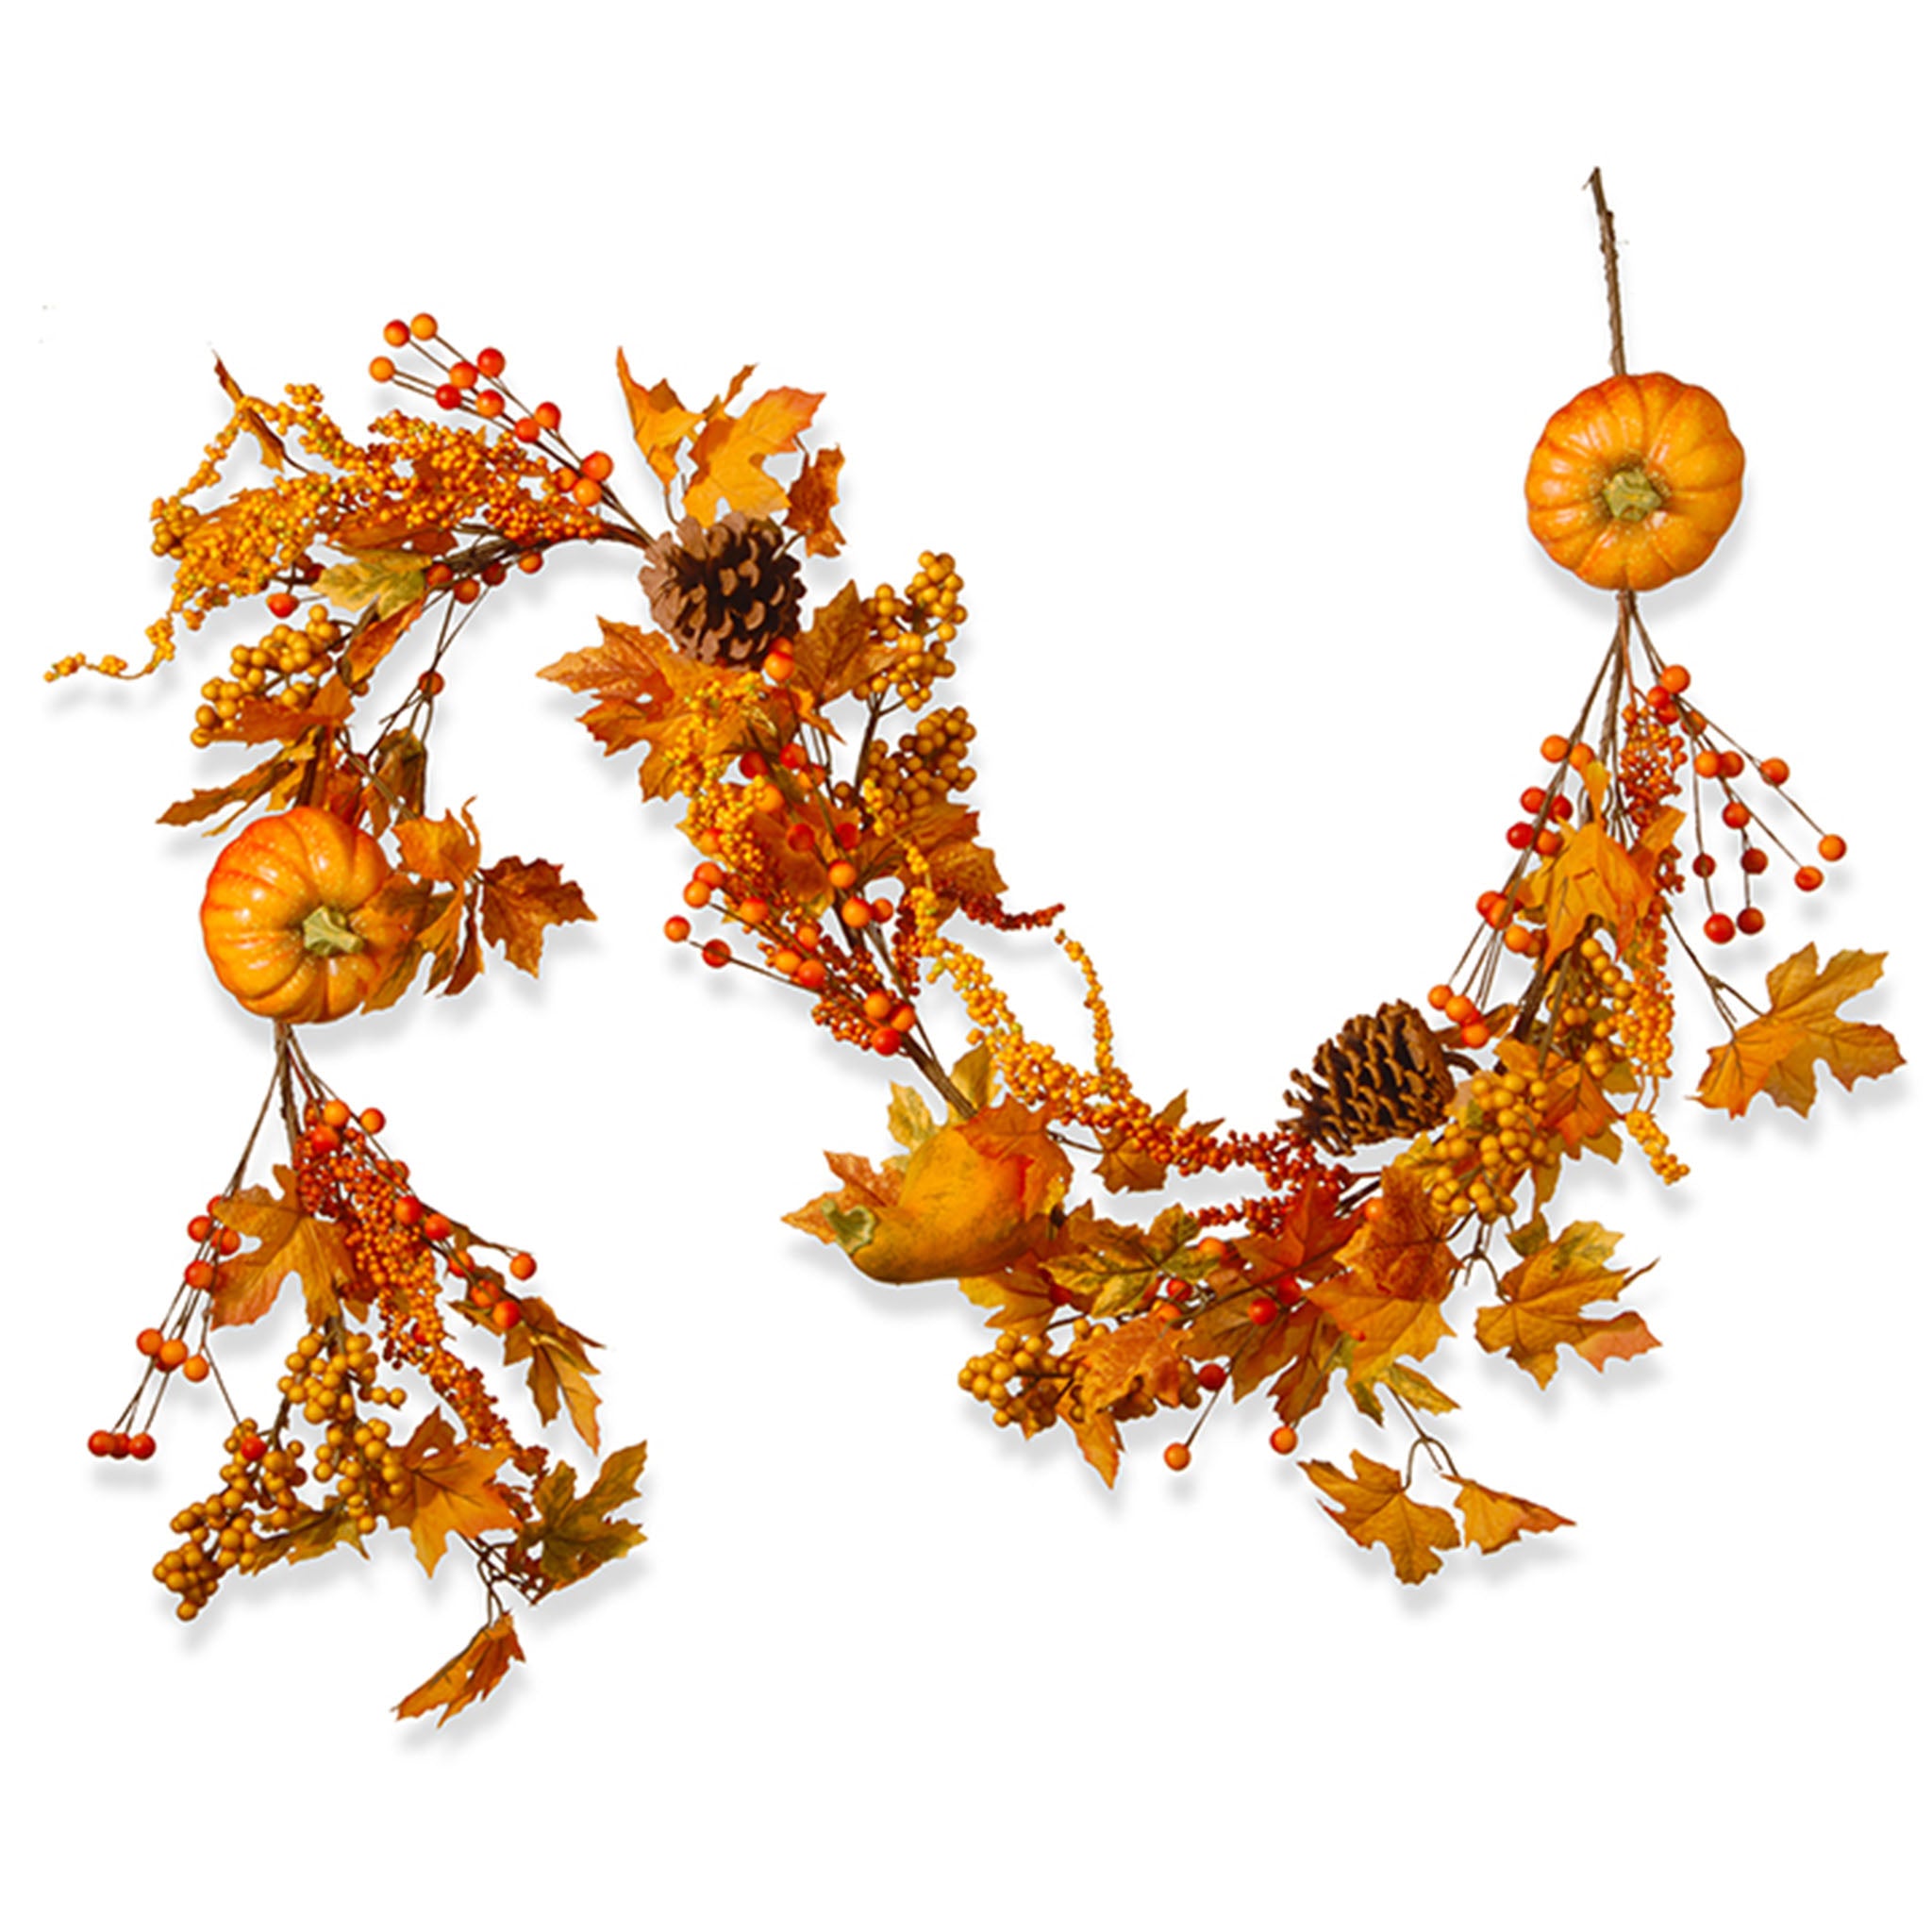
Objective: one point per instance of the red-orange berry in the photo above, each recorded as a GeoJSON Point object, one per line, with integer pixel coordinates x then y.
{"type": "Point", "coordinates": [396, 334]}
{"type": "Point", "coordinates": [887, 1040]}
{"type": "Point", "coordinates": [1555, 749]}
{"type": "Point", "coordinates": [463, 375]}
{"type": "Point", "coordinates": [200, 1229]}
{"type": "Point", "coordinates": [1737, 814]}
{"type": "Point", "coordinates": [141, 1446]}
{"type": "Point", "coordinates": [423, 327]}
{"type": "Point", "coordinates": [101, 1442]}
{"type": "Point", "coordinates": [1705, 764]}
{"type": "Point", "coordinates": [677, 929]}
{"type": "Point", "coordinates": [1674, 679]}
{"type": "Point", "coordinates": [409, 1210]}
{"type": "Point", "coordinates": [1720, 928]}
{"type": "Point", "coordinates": [149, 1341]}
{"type": "Point", "coordinates": [1475, 1034]}
{"type": "Point", "coordinates": [506, 1315]}
{"type": "Point", "coordinates": [467, 591]}
{"type": "Point", "coordinates": [526, 429]}
{"type": "Point", "coordinates": [1263, 1309]}
{"type": "Point", "coordinates": [522, 1266]}
{"type": "Point", "coordinates": [194, 1369]}
{"type": "Point", "coordinates": [1177, 1456]}
{"type": "Point", "coordinates": [717, 953]}
{"type": "Point", "coordinates": [281, 604]}
{"type": "Point", "coordinates": [490, 361]}
{"type": "Point", "coordinates": [1751, 922]}
{"type": "Point", "coordinates": [1753, 859]}
{"type": "Point", "coordinates": [448, 396]}
{"type": "Point", "coordinates": [810, 974]}
{"type": "Point", "coordinates": [548, 415]}
{"type": "Point", "coordinates": [252, 1449]}
{"type": "Point", "coordinates": [1211, 1376]}
{"type": "Point", "coordinates": [489, 403]}
{"type": "Point", "coordinates": [1730, 764]}
{"type": "Point", "coordinates": [587, 493]}
{"type": "Point", "coordinates": [903, 1018]}
{"type": "Point", "coordinates": [1808, 878]}
{"type": "Point", "coordinates": [1831, 848]}
{"type": "Point", "coordinates": [597, 466]}
{"type": "Point", "coordinates": [1774, 771]}
{"type": "Point", "coordinates": [438, 1228]}
{"type": "Point", "coordinates": [1284, 1441]}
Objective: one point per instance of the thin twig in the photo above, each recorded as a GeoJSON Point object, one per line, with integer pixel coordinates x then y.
{"type": "Point", "coordinates": [1607, 224]}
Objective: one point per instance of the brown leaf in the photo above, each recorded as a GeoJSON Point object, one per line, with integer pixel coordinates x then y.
{"type": "Point", "coordinates": [269, 778]}
{"type": "Point", "coordinates": [572, 1534]}
{"type": "Point", "coordinates": [559, 1364]}
{"type": "Point", "coordinates": [521, 900]}
{"type": "Point", "coordinates": [813, 497]}
{"type": "Point", "coordinates": [274, 452]}
{"type": "Point", "coordinates": [469, 1676]}
{"type": "Point", "coordinates": [1139, 1358]}
{"type": "Point", "coordinates": [1776, 1054]}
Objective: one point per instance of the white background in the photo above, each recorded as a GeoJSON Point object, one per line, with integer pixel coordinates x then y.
{"type": "Point", "coordinates": [1215, 347]}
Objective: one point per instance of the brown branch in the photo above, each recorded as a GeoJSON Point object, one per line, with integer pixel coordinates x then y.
{"type": "Point", "coordinates": [1607, 225]}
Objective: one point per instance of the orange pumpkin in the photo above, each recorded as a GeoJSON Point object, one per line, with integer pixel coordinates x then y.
{"type": "Point", "coordinates": [291, 920]}
{"type": "Point", "coordinates": [1635, 481]}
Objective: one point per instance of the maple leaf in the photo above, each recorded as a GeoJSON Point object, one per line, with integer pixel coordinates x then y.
{"type": "Point", "coordinates": [1137, 1364]}
{"type": "Point", "coordinates": [1023, 1298]}
{"type": "Point", "coordinates": [849, 1215]}
{"type": "Point", "coordinates": [1125, 1169]}
{"type": "Point", "coordinates": [1593, 876]}
{"type": "Point", "coordinates": [469, 1676]}
{"type": "Point", "coordinates": [1544, 1296]}
{"type": "Point", "coordinates": [813, 496]}
{"type": "Point", "coordinates": [572, 1534]}
{"type": "Point", "coordinates": [1491, 1518]}
{"type": "Point", "coordinates": [1395, 1269]}
{"type": "Point", "coordinates": [1098, 1435]}
{"type": "Point", "coordinates": [559, 1364]}
{"type": "Point", "coordinates": [1376, 1509]}
{"type": "Point", "coordinates": [377, 636]}
{"type": "Point", "coordinates": [262, 720]}
{"type": "Point", "coordinates": [1776, 1052]}
{"type": "Point", "coordinates": [521, 900]}
{"type": "Point", "coordinates": [658, 422]}
{"type": "Point", "coordinates": [313, 1533]}
{"type": "Point", "coordinates": [289, 1241]}
{"type": "Point", "coordinates": [1112, 1268]}
{"type": "Point", "coordinates": [730, 452]}
{"type": "Point", "coordinates": [398, 778]}
{"type": "Point", "coordinates": [274, 779]}
{"type": "Point", "coordinates": [392, 580]}
{"type": "Point", "coordinates": [452, 1490]}
{"type": "Point", "coordinates": [837, 653]}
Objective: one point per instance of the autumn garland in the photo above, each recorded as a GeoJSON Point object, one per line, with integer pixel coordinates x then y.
{"type": "Point", "coordinates": [858, 888]}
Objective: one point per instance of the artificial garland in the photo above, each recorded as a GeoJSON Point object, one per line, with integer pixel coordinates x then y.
{"type": "Point", "coordinates": [1420, 1152]}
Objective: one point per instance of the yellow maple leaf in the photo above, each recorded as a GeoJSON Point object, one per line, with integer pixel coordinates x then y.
{"type": "Point", "coordinates": [559, 1364]}
{"type": "Point", "coordinates": [469, 1676]}
{"type": "Point", "coordinates": [1544, 1296]}
{"type": "Point", "coordinates": [1377, 1508]}
{"type": "Point", "coordinates": [1592, 876]}
{"type": "Point", "coordinates": [289, 1241]}
{"type": "Point", "coordinates": [452, 1490]}
{"type": "Point", "coordinates": [1776, 1052]}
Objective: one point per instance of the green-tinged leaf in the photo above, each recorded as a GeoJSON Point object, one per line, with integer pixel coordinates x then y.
{"type": "Point", "coordinates": [1544, 1297]}
{"type": "Point", "coordinates": [392, 580]}
{"type": "Point", "coordinates": [574, 1535]}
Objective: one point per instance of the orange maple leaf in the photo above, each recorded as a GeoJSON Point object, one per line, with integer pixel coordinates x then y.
{"type": "Point", "coordinates": [1491, 1518]}
{"type": "Point", "coordinates": [658, 422]}
{"type": "Point", "coordinates": [1544, 1296]}
{"type": "Point", "coordinates": [1593, 876]}
{"type": "Point", "coordinates": [1396, 1269]}
{"type": "Point", "coordinates": [813, 496]}
{"type": "Point", "coordinates": [469, 1676]}
{"type": "Point", "coordinates": [1141, 1358]}
{"type": "Point", "coordinates": [521, 900]}
{"type": "Point", "coordinates": [1776, 1052]}
{"type": "Point", "coordinates": [559, 1364]}
{"type": "Point", "coordinates": [453, 1493]}
{"type": "Point", "coordinates": [1376, 1509]}
{"type": "Point", "coordinates": [289, 1241]}
{"type": "Point", "coordinates": [730, 452]}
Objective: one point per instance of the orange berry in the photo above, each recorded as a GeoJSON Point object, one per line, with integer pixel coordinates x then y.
{"type": "Point", "coordinates": [597, 466]}
{"type": "Point", "coordinates": [717, 953]}
{"type": "Point", "coordinates": [522, 1266]}
{"type": "Point", "coordinates": [1475, 1033]}
{"type": "Point", "coordinates": [490, 361]}
{"type": "Point", "coordinates": [438, 1228]}
{"type": "Point", "coordinates": [1459, 1008]}
{"type": "Point", "coordinates": [887, 1040]}
{"type": "Point", "coordinates": [785, 963]}
{"type": "Point", "coordinates": [780, 666]}
{"type": "Point", "coordinates": [708, 874]}
{"type": "Point", "coordinates": [878, 1006]}
{"type": "Point", "coordinates": [1284, 1441]}
{"type": "Point", "coordinates": [1555, 749]}
{"type": "Point", "coordinates": [141, 1446]}
{"type": "Point", "coordinates": [281, 604]}
{"type": "Point", "coordinates": [697, 893]}
{"type": "Point", "coordinates": [856, 914]}
{"type": "Point", "coordinates": [904, 1019]}
{"type": "Point", "coordinates": [1831, 848]}
{"type": "Point", "coordinates": [194, 1369]}
{"type": "Point", "coordinates": [101, 1442]}
{"type": "Point", "coordinates": [1211, 1376]}
{"type": "Point", "coordinates": [1674, 679]}
{"type": "Point", "coordinates": [484, 1294]}
{"type": "Point", "coordinates": [1440, 997]}
{"type": "Point", "coordinates": [1720, 928]}
{"type": "Point", "coordinates": [381, 369]}
{"type": "Point", "coordinates": [199, 1273]}
{"type": "Point", "coordinates": [1177, 1456]}
{"type": "Point", "coordinates": [1737, 814]}
{"type": "Point", "coordinates": [396, 334]}
{"type": "Point", "coordinates": [463, 375]}
{"type": "Point", "coordinates": [336, 1113]}
{"type": "Point", "coordinates": [882, 908]}
{"type": "Point", "coordinates": [1263, 1309]}
{"type": "Point", "coordinates": [677, 929]}
{"type": "Point", "coordinates": [423, 327]}
{"type": "Point", "coordinates": [810, 974]}
{"type": "Point", "coordinates": [587, 493]}
{"type": "Point", "coordinates": [548, 415]}
{"type": "Point", "coordinates": [1774, 771]}
{"type": "Point", "coordinates": [506, 1315]}
{"type": "Point", "coordinates": [1808, 878]}
{"type": "Point", "coordinates": [842, 873]}
{"type": "Point", "coordinates": [1582, 757]}
{"type": "Point", "coordinates": [526, 429]}
{"type": "Point", "coordinates": [149, 1342]}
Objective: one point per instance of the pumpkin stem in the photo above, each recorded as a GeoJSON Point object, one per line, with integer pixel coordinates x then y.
{"type": "Point", "coordinates": [325, 932]}
{"type": "Point", "coordinates": [1630, 495]}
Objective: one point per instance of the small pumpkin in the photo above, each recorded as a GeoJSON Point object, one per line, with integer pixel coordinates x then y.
{"type": "Point", "coordinates": [1634, 481]}
{"type": "Point", "coordinates": [292, 920]}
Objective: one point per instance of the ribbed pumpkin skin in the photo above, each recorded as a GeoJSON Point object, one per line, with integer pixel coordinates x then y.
{"type": "Point", "coordinates": [266, 884]}
{"type": "Point", "coordinates": [1676, 435]}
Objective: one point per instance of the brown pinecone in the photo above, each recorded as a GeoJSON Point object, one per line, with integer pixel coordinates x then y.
{"type": "Point", "coordinates": [1379, 1076]}
{"type": "Point", "coordinates": [726, 594]}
